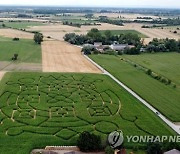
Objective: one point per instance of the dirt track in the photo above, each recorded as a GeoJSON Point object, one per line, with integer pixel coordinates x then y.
{"type": "Point", "coordinates": [2, 74]}
{"type": "Point", "coordinates": [59, 56]}
{"type": "Point", "coordinates": [15, 33]}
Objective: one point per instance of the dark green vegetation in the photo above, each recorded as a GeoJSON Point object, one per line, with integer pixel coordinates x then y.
{"type": "Point", "coordinates": [160, 22]}
{"type": "Point", "coordinates": [89, 142]}
{"type": "Point", "coordinates": [163, 97]}
{"type": "Point", "coordinates": [21, 24]}
{"type": "Point", "coordinates": [163, 45]}
{"type": "Point", "coordinates": [110, 21]}
{"type": "Point", "coordinates": [94, 35]}
{"type": "Point", "coordinates": [120, 32]}
{"type": "Point", "coordinates": [38, 38]}
{"type": "Point", "coordinates": [39, 109]}
{"type": "Point", "coordinates": [27, 50]}
{"type": "Point", "coordinates": [79, 22]}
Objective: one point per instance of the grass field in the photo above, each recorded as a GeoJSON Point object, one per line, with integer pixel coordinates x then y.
{"type": "Point", "coordinates": [119, 32]}
{"type": "Point", "coordinates": [22, 24]}
{"type": "Point", "coordinates": [39, 109]}
{"type": "Point", "coordinates": [166, 64]}
{"type": "Point", "coordinates": [162, 97]}
{"type": "Point", "coordinates": [27, 50]}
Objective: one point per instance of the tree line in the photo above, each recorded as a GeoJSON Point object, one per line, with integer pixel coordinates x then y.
{"type": "Point", "coordinates": [163, 45]}
{"type": "Point", "coordinates": [107, 38]}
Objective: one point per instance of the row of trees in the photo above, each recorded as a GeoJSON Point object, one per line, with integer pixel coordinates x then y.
{"type": "Point", "coordinates": [163, 45]}
{"type": "Point", "coordinates": [110, 21]}
{"type": "Point", "coordinates": [165, 22]}
{"type": "Point", "coordinates": [94, 35]}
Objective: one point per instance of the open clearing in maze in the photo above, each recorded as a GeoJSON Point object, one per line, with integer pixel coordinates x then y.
{"type": "Point", "coordinates": [53, 108]}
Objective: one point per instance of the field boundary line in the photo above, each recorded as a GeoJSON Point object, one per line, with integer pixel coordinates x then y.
{"type": "Point", "coordinates": [176, 128]}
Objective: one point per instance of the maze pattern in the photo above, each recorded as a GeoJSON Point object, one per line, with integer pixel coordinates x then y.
{"type": "Point", "coordinates": [62, 106]}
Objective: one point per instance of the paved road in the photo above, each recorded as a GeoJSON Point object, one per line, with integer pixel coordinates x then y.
{"type": "Point", "coordinates": [175, 127]}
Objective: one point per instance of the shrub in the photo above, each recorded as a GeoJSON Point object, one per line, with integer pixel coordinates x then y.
{"type": "Point", "coordinates": [110, 52]}
{"type": "Point", "coordinates": [155, 148]}
{"type": "Point", "coordinates": [15, 57]}
{"type": "Point", "coordinates": [87, 50]}
{"type": "Point", "coordinates": [109, 150]}
{"type": "Point", "coordinates": [163, 80]}
{"type": "Point", "coordinates": [120, 53]}
{"type": "Point", "coordinates": [135, 148]}
{"type": "Point", "coordinates": [89, 142]}
{"type": "Point", "coordinates": [169, 81]}
{"type": "Point", "coordinates": [149, 72]}
{"type": "Point", "coordinates": [16, 39]}
{"type": "Point", "coordinates": [174, 86]}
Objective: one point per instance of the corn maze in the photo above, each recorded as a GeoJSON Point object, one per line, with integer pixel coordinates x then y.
{"type": "Point", "coordinates": [61, 106]}
{"type": "Point", "coordinates": [53, 105]}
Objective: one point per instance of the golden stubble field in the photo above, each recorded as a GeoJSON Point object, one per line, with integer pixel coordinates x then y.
{"type": "Point", "coordinates": [11, 33]}
{"type": "Point", "coordinates": [59, 56]}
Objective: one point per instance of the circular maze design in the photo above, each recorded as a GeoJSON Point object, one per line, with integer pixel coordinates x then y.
{"type": "Point", "coordinates": [59, 105]}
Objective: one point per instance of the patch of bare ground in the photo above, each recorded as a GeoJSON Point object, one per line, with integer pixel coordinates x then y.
{"type": "Point", "coordinates": [12, 33]}
{"type": "Point", "coordinates": [59, 56]}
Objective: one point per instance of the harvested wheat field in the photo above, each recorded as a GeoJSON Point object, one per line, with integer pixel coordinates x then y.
{"type": "Point", "coordinates": [59, 56]}
{"type": "Point", "coordinates": [152, 32]}
{"type": "Point", "coordinates": [125, 16]}
{"type": "Point", "coordinates": [15, 33]}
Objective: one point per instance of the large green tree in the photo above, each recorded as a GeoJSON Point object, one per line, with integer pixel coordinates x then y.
{"type": "Point", "coordinates": [38, 38]}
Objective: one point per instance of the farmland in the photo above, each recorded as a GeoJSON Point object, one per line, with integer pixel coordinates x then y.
{"type": "Point", "coordinates": [119, 32]}
{"type": "Point", "coordinates": [12, 33]}
{"type": "Point", "coordinates": [27, 50]}
{"type": "Point", "coordinates": [22, 24]}
{"type": "Point", "coordinates": [53, 108]}
{"type": "Point", "coordinates": [79, 21]}
{"type": "Point", "coordinates": [164, 98]}
{"type": "Point", "coordinates": [165, 64]}
{"type": "Point", "coordinates": [59, 56]}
